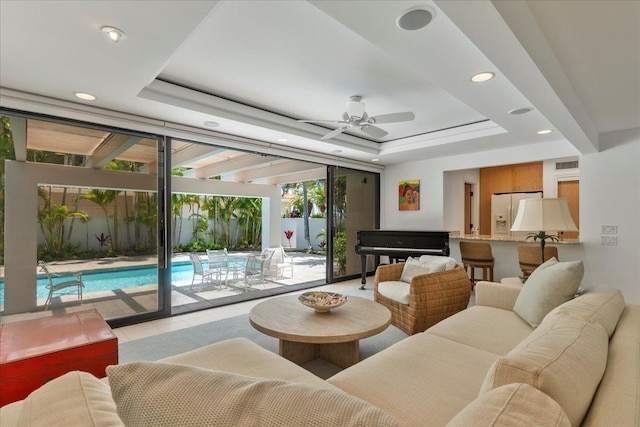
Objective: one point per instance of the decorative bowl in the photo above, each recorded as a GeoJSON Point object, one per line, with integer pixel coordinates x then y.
{"type": "Point", "coordinates": [322, 302]}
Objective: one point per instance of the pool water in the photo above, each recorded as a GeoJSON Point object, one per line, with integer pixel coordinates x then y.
{"type": "Point", "coordinates": [118, 279]}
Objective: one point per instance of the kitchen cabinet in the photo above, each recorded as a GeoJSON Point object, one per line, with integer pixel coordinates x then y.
{"type": "Point", "coordinates": [522, 177]}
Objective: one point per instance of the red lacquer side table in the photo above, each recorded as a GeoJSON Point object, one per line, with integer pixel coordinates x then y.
{"type": "Point", "coordinates": [35, 351]}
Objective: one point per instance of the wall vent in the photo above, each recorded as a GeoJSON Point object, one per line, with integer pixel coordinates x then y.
{"type": "Point", "coordinates": [567, 165]}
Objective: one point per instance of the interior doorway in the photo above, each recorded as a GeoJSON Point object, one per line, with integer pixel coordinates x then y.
{"type": "Point", "coordinates": [570, 190]}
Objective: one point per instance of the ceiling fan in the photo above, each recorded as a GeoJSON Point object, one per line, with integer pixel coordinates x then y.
{"type": "Point", "coordinates": [356, 118]}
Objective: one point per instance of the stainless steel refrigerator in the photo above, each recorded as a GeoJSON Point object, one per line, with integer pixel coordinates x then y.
{"type": "Point", "coordinates": [504, 208]}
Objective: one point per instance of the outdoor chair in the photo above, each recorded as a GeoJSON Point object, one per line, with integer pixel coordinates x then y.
{"type": "Point", "coordinates": [280, 263]}
{"type": "Point", "coordinates": [198, 270]}
{"type": "Point", "coordinates": [64, 287]}
{"type": "Point", "coordinates": [256, 269]}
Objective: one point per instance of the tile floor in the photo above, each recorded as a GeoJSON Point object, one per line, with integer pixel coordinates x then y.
{"type": "Point", "coordinates": [142, 330]}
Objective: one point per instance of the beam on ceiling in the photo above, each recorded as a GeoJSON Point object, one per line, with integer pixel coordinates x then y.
{"type": "Point", "coordinates": [277, 169]}
{"type": "Point", "coordinates": [308, 175]}
{"type": "Point", "coordinates": [192, 153]}
{"type": "Point", "coordinates": [114, 145]}
{"type": "Point", "coordinates": [238, 163]}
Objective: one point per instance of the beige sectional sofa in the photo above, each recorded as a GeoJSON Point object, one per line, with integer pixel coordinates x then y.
{"type": "Point", "coordinates": [482, 366]}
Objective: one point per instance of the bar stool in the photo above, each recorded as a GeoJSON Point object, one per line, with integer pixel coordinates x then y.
{"type": "Point", "coordinates": [529, 257]}
{"type": "Point", "coordinates": [477, 255]}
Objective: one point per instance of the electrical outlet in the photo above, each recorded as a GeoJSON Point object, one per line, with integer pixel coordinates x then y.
{"type": "Point", "coordinates": [609, 229]}
{"type": "Point", "coordinates": [608, 240]}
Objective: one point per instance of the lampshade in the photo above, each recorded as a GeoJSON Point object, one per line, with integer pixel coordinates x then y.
{"type": "Point", "coordinates": [543, 215]}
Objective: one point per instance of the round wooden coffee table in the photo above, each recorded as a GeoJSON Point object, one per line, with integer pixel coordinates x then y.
{"type": "Point", "coordinates": [332, 336]}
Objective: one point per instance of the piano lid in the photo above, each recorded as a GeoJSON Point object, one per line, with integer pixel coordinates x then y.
{"type": "Point", "coordinates": [402, 239]}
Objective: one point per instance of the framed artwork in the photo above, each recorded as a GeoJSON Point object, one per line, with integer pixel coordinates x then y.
{"type": "Point", "coordinates": [409, 195]}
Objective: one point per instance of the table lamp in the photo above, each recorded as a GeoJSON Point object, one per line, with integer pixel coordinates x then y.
{"type": "Point", "coordinates": [542, 215]}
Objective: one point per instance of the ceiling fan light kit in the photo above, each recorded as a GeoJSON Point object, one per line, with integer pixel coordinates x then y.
{"type": "Point", "coordinates": [356, 117]}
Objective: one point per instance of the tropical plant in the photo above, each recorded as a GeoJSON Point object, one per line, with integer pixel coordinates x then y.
{"type": "Point", "coordinates": [288, 234]}
{"type": "Point", "coordinates": [102, 198]}
{"type": "Point", "coordinates": [340, 252]}
{"type": "Point", "coordinates": [103, 240]}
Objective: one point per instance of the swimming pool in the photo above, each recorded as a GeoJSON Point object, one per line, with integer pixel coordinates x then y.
{"type": "Point", "coordinates": [118, 279]}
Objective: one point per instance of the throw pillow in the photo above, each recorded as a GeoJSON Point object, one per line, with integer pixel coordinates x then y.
{"type": "Point", "coordinates": [74, 399]}
{"type": "Point", "coordinates": [564, 358]}
{"type": "Point", "coordinates": [510, 405]}
{"type": "Point", "coordinates": [434, 262]}
{"type": "Point", "coordinates": [602, 308]}
{"type": "Point", "coordinates": [426, 264]}
{"type": "Point", "coordinates": [550, 285]}
{"type": "Point", "coordinates": [151, 394]}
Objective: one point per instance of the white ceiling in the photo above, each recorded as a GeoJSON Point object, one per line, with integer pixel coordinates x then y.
{"type": "Point", "coordinates": [256, 67]}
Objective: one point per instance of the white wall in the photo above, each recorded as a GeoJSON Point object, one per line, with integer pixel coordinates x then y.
{"type": "Point", "coordinates": [453, 213]}
{"type": "Point", "coordinates": [609, 195]}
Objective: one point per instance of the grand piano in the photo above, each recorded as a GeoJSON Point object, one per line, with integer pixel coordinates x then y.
{"type": "Point", "coordinates": [399, 245]}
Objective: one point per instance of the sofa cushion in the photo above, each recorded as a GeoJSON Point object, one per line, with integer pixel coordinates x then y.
{"type": "Point", "coordinates": [602, 308]}
{"type": "Point", "coordinates": [550, 285]}
{"type": "Point", "coordinates": [486, 328]}
{"type": "Point", "coordinates": [564, 358]}
{"type": "Point", "coordinates": [395, 290]}
{"type": "Point", "coordinates": [76, 398]}
{"type": "Point", "coordinates": [151, 394]}
{"type": "Point", "coordinates": [511, 405]}
{"type": "Point", "coordinates": [422, 380]}
{"type": "Point", "coordinates": [617, 401]}
{"type": "Point", "coordinates": [244, 357]}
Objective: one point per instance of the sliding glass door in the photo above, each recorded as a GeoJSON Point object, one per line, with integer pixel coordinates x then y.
{"type": "Point", "coordinates": [354, 205]}
{"type": "Point", "coordinates": [83, 199]}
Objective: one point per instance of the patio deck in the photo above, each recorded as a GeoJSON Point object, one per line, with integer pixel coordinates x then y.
{"type": "Point", "coordinates": [309, 271]}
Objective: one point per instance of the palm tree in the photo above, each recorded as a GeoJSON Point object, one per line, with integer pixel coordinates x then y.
{"type": "Point", "coordinates": [102, 198]}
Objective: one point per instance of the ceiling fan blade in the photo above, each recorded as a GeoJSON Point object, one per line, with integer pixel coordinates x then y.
{"type": "Point", "coordinates": [374, 131]}
{"type": "Point", "coordinates": [321, 121]}
{"type": "Point", "coordinates": [334, 133]}
{"type": "Point", "coordinates": [394, 117]}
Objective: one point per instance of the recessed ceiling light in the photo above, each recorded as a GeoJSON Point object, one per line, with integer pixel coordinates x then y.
{"type": "Point", "coordinates": [282, 140]}
{"type": "Point", "coordinates": [519, 111]}
{"type": "Point", "coordinates": [114, 34]}
{"type": "Point", "coordinates": [375, 160]}
{"type": "Point", "coordinates": [211, 124]}
{"type": "Point", "coordinates": [84, 96]}
{"type": "Point", "coordinates": [336, 151]}
{"type": "Point", "coordinates": [482, 77]}
{"type": "Point", "coordinates": [415, 18]}
{"type": "Point", "coordinates": [544, 131]}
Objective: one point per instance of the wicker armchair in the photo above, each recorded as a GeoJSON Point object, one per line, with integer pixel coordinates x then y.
{"type": "Point", "coordinates": [432, 297]}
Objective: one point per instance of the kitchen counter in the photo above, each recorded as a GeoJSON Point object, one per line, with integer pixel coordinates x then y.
{"type": "Point", "coordinates": [490, 238]}
{"type": "Point", "coordinates": [505, 251]}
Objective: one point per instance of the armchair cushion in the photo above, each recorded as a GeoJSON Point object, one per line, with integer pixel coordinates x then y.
{"type": "Point", "coordinates": [395, 290]}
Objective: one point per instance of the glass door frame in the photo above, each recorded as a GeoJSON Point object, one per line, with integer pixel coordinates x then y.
{"type": "Point", "coordinates": [164, 283]}
{"type": "Point", "coordinates": [331, 220]}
